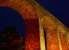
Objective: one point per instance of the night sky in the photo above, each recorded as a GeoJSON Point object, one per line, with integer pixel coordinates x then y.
{"type": "Point", "coordinates": [59, 8]}
{"type": "Point", "coordinates": [11, 18]}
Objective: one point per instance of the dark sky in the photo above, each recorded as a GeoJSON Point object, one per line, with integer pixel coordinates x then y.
{"type": "Point", "coordinates": [60, 8]}
{"type": "Point", "coordinates": [10, 17]}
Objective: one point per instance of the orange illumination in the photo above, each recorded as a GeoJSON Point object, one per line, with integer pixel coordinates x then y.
{"type": "Point", "coordinates": [32, 13]}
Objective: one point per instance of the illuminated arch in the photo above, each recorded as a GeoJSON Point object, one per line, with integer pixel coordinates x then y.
{"type": "Point", "coordinates": [31, 10]}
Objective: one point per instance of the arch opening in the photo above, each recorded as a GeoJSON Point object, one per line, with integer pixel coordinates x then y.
{"type": "Point", "coordinates": [12, 18]}
{"type": "Point", "coordinates": [11, 21]}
